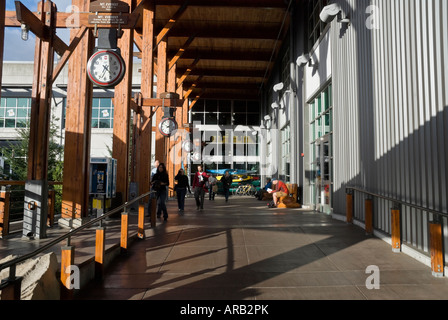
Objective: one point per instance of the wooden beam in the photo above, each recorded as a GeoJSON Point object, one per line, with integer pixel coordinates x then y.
{"type": "Point", "coordinates": [180, 52]}
{"type": "Point", "coordinates": [40, 29]}
{"type": "Point", "coordinates": [152, 102]}
{"type": "Point", "coordinates": [226, 31]}
{"type": "Point", "coordinates": [227, 3]}
{"type": "Point", "coordinates": [73, 44]}
{"type": "Point", "coordinates": [225, 54]}
{"type": "Point", "coordinates": [75, 193]}
{"type": "Point", "coordinates": [162, 34]}
{"type": "Point", "coordinates": [144, 146]}
{"type": "Point", "coordinates": [187, 72]}
{"type": "Point", "coordinates": [161, 88]}
{"type": "Point", "coordinates": [122, 116]}
{"type": "Point", "coordinates": [216, 72]}
{"type": "Point", "coordinates": [2, 39]}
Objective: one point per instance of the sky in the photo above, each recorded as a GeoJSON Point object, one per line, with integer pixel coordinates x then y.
{"type": "Point", "coordinates": [18, 50]}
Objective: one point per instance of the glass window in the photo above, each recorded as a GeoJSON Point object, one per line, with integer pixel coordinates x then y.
{"type": "Point", "coordinates": [239, 106]}
{"type": "Point", "coordinates": [211, 106]}
{"type": "Point", "coordinates": [225, 119]}
{"type": "Point", "coordinates": [15, 112]}
{"type": "Point", "coordinates": [225, 106]}
{"type": "Point", "coordinates": [239, 119]}
{"type": "Point", "coordinates": [102, 113]}
{"type": "Point", "coordinates": [211, 118]}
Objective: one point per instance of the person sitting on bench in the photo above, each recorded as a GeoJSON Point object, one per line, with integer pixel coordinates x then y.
{"type": "Point", "coordinates": [279, 190]}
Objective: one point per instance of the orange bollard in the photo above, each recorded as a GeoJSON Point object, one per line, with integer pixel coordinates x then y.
{"type": "Point", "coordinates": [100, 245]}
{"type": "Point", "coordinates": [436, 248]}
{"type": "Point", "coordinates": [141, 221]}
{"type": "Point", "coordinates": [395, 230]}
{"type": "Point", "coordinates": [67, 260]}
{"type": "Point", "coordinates": [124, 231]}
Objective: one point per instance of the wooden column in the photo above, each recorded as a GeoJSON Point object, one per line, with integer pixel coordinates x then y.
{"type": "Point", "coordinates": [12, 288]}
{"type": "Point", "coordinates": [172, 166]}
{"type": "Point", "coordinates": [141, 221]}
{"type": "Point", "coordinates": [4, 212]}
{"type": "Point", "coordinates": [349, 209]}
{"type": "Point", "coordinates": [2, 39]}
{"type": "Point", "coordinates": [369, 216]}
{"type": "Point", "coordinates": [122, 114]}
{"type": "Point", "coordinates": [160, 153]}
{"type": "Point", "coordinates": [145, 126]}
{"type": "Point", "coordinates": [395, 230]}
{"type": "Point", "coordinates": [75, 193]}
{"type": "Point", "coordinates": [436, 248]}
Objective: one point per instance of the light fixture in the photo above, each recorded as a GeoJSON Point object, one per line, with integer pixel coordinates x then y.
{"type": "Point", "coordinates": [25, 31]}
{"type": "Point", "coordinates": [275, 105]}
{"type": "Point", "coordinates": [329, 12]}
{"type": "Point", "coordinates": [303, 60]}
{"type": "Point", "coordinates": [278, 87]}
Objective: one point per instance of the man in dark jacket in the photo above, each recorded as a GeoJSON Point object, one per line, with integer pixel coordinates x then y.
{"type": "Point", "coordinates": [226, 180]}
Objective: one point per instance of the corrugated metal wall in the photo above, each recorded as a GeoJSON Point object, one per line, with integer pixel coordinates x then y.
{"type": "Point", "coordinates": [391, 109]}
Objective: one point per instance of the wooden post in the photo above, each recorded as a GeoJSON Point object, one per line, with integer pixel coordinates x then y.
{"type": "Point", "coordinates": [436, 248]}
{"type": "Point", "coordinates": [161, 88]}
{"type": "Point", "coordinates": [75, 194]}
{"type": "Point", "coordinates": [2, 38]}
{"type": "Point", "coordinates": [51, 204]}
{"type": "Point", "coordinates": [172, 166]}
{"type": "Point", "coordinates": [100, 244]}
{"type": "Point", "coordinates": [67, 260]}
{"type": "Point", "coordinates": [4, 212]}
{"type": "Point", "coordinates": [349, 209]}
{"type": "Point", "coordinates": [395, 230]}
{"type": "Point", "coordinates": [122, 114]}
{"type": "Point", "coordinates": [141, 221]}
{"type": "Point", "coordinates": [147, 83]}
{"type": "Point", "coordinates": [124, 231]}
{"type": "Point", "coordinates": [369, 216]}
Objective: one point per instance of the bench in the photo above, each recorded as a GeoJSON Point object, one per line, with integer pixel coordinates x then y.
{"type": "Point", "coordinates": [289, 201]}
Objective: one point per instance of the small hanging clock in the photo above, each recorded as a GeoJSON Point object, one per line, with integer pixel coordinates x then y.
{"type": "Point", "coordinates": [106, 68]}
{"type": "Point", "coordinates": [167, 126]}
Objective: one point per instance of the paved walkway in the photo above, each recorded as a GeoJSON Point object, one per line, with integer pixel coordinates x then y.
{"type": "Point", "coordinates": [242, 250]}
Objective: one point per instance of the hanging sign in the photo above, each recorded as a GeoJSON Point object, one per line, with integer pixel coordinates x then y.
{"type": "Point", "coordinates": [108, 19]}
{"type": "Point", "coordinates": [109, 6]}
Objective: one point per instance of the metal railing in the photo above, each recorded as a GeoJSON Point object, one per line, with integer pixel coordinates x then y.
{"type": "Point", "coordinates": [13, 280]}
{"type": "Point", "coordinates": [435, 230]}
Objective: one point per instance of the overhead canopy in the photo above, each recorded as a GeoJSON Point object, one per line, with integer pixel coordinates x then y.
{"type": "Point", "coordinates": [229, 46]}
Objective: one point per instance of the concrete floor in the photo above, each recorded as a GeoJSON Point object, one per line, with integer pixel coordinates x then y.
{"type": "Point", "coordinates": [242, 250]}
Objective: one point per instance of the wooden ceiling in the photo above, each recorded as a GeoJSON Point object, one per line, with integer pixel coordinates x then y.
{"type": "Point", "coordinates": [230, 45]}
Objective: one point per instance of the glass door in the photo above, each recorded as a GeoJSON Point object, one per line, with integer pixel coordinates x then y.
{"type": "Point", "coordinates": [323, 176]}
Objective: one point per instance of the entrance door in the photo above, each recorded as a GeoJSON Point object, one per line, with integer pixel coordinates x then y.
{"type": "Point", "coordinates": [323, 182]}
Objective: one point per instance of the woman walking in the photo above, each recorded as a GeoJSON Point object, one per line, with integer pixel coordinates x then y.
{"type": "Point", "coordinates": [226, 180]}
{"type": "Point", "coordinates": [200, 178]}
{"type": "Point", "coordinates": [160, 182]}
{"type": "Point", "coordinates": [181, 189]}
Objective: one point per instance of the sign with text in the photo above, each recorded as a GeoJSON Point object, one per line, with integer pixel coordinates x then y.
{"type": "Point", "coordinates": [108, 19]}
{"type": "Point", "coordinates": [112, 6]}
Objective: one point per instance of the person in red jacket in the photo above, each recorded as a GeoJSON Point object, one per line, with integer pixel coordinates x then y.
{"type": "Point", "coordinates": [279, 190]}
{"type": "Point", "coordinates": [199, 180]}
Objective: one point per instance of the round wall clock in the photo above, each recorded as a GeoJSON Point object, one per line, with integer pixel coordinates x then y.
{"type": "Point", "coordinates": [106, 68]}
{"type": "Point", "coordinates": [167, 126]}
{"type": "Point", "coordinates": [188, 146]}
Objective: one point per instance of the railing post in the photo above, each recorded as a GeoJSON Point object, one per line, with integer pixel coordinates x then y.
{"type": "Point", "coordinates": [396, 229]}
{"type": "Point", "coordinates": [436, 248]}
{"type": "Point", "coordinates": [51, 203]}
{"type": "Point", "coordinates": [67, 260]}
{"type": "Point", "coordinates": [141, 221]}
{"type": "Point", "coordinates": [5, 195]}
{"type": "Point", "coordinates": [349, 202]}
{"type": "Point", "coordinates": [99, 251]}
{"type": "Point", "coordinates": [124, 230]}
{"type": "Point", "coordinates": [11, 288]}
{"type": "Point", "coordinates": [369, 216]}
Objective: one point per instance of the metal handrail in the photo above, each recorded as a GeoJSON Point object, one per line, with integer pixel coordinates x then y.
{"type": "Point", "coordinates": [67, 236]}
{"type": "Point", "coordinates": [400, 202]}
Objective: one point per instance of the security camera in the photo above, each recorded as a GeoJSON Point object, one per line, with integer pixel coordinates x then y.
{"type": "Point", "coordinates": [268, 117]}
{"type": "Point", "coordinates": [303, 60]}
{"type": "Point", "coordinates": [329, 12]}
{"type": "Point", "coordinates": [275, 105]}
{"type": "Point", "coordinates": [278, 87]}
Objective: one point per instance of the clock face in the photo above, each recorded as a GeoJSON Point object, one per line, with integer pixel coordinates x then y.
{"type": "Point", "coordinates": [167, 126]}
{"type": "Point", "coordinates": [187, 145]}
{"type": "Point", "coordinates": [106, 68]}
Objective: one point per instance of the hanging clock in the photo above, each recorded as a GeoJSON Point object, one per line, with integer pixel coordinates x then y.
{"type": "Point", "coordinates": [106, 68]}
{"type": "Point", "coordinates": [167, 126]}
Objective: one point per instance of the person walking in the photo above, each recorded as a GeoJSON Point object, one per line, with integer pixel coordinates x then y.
{"type": "Point", "coordinates": [181, 189]}
{"type": "Point", "coordinates": [200, 178]}
{"type": "Point", "coordinates": [211, 187]}
{"type": "Point", "coordinates": [226, 180]}
{"type": "Point", "coordinates": [160, 182]}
